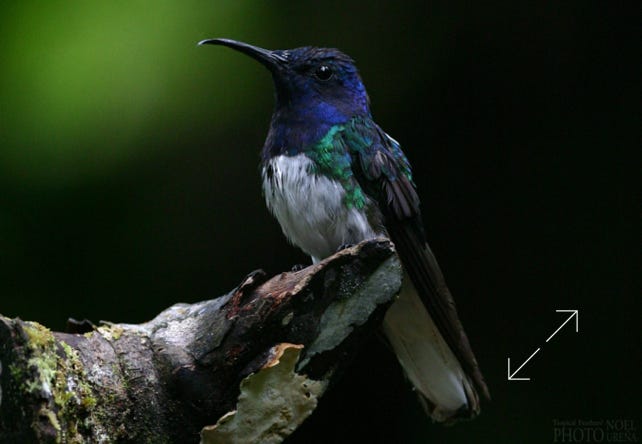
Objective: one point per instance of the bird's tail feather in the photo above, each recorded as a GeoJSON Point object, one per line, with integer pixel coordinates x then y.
{"type": "Point", "coordinates": [444, 389]}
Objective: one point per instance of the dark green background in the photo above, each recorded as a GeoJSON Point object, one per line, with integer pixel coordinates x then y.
{"type": "Point", "coordinates": [129, 182]}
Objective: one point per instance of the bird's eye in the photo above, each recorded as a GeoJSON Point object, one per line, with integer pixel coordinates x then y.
{"type": "Point", "coordinates": [323, 72]}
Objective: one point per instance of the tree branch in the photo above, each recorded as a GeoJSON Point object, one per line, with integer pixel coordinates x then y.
{"type": "Point", "coordinates": [245, 367]}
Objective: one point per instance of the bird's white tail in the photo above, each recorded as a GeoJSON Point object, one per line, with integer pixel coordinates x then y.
{"type": "Point", "coordinates": [443, 387]}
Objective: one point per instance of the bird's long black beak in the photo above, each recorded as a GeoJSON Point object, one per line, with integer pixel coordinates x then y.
{"type": "Point", "coordinates": [272, 60]}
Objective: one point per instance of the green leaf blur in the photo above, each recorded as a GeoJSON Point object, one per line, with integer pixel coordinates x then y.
{"type": "Point", "coordinates": [89, 86]}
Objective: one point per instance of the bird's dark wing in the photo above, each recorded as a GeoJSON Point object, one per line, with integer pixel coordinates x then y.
{"type": "Point", "coordinates": [383, 172]}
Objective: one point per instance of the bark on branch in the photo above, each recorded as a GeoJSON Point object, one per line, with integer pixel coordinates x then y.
{"type": "Point", "coordinates": [248, 366]}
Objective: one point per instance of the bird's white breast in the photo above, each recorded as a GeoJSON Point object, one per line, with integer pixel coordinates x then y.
{"type": "Point", "coordinates": [311, 208]}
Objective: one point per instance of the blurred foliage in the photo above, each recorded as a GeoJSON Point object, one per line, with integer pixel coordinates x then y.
{"type": "Point", "coordinates": [87, 86]}
{"type": "Point", "coordinates": [128, 180]}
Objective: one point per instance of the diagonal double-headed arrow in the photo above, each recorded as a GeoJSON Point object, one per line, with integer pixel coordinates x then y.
{"type": "Point", "coordinates": [575, 314]}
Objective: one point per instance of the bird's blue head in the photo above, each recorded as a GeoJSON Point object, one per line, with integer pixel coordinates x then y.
{"type": "Point", "coordinates": [316, 89]}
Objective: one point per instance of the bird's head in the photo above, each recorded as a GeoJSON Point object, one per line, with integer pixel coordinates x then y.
{"type": "Point", "coordinates": [320, 84]}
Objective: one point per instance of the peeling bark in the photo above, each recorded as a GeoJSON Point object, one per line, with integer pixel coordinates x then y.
{"type": "Point", "coordinates": [221, 364]}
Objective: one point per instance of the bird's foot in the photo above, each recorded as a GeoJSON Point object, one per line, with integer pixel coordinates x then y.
{"type": "Point", "coordinates": [298, 267]}
{"type": "Point", "coordinates": [344, 246]}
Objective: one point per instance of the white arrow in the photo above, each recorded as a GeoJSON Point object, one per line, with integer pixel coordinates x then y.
{"type": "Point", "coordinates": [511, 376]}
{"type": "Point", "coordinates": [576, 313]}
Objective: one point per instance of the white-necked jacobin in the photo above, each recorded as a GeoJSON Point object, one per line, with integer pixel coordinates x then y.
{"type": "Point", "coordinates": [333, 177]}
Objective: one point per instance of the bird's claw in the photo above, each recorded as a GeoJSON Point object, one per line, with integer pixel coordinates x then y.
{"type": "Point", "coordinates": [344, 246]}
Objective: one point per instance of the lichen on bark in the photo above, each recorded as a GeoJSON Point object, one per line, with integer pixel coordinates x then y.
{"type": "Point", "coordinates": [262, 354]}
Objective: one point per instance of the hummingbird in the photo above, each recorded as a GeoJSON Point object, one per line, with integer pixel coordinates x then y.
{"type": "Point", "coordinates": [332, 177]}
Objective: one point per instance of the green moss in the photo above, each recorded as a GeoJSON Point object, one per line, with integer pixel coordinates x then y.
{"type": "Point", "coordinates": [16, 372]}
{"type": "Point", "coordinates": [82, 390]}
{"type": "Point", "coordinates": [38, 335]}
{"type": "Point", "coordinates": [42, 360]}
{"type": "Point", "coordinates": [53, 419]}
{"type": "Point", "coordinates": [111, 332]}
{"type": "Point", "coordinates": [89, 402]}
{"type": "Point", "coordinates": [117, 332]}
{"type": "Point", "coordinates": [57, 378]}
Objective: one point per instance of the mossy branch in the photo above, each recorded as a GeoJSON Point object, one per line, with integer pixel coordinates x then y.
{"type": "Point", "coordinates": [249, 365]}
